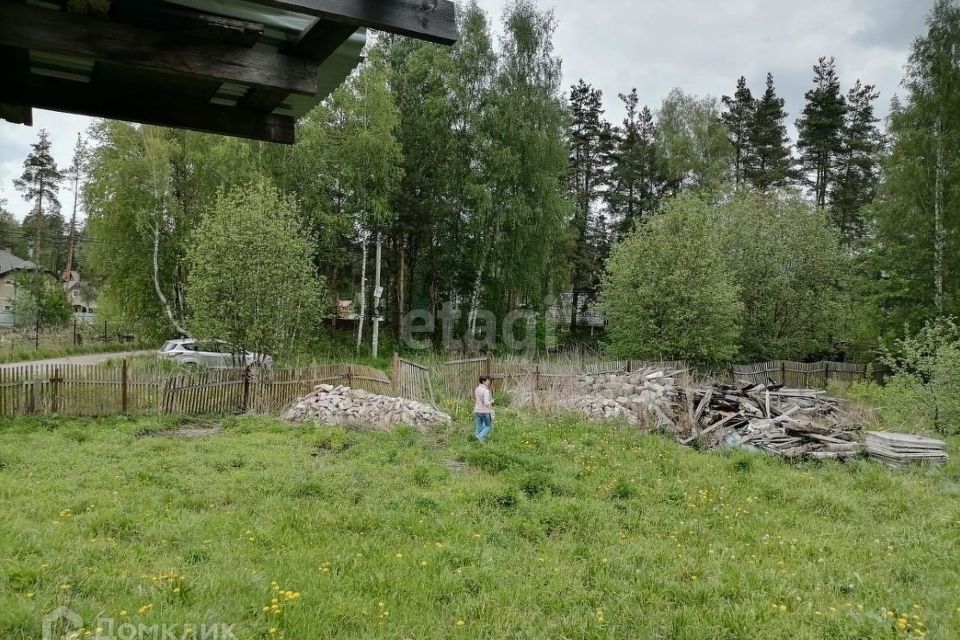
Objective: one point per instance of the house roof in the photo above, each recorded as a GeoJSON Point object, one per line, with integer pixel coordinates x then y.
{"type": "Point", "coordinates": [10, 262]}
{"type": "Point", "coordinates": [245, 68]}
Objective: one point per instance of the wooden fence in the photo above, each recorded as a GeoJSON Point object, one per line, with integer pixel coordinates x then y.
{"type": "Point", "coordinates": [459, 377]}
{"type": "Point", "coordinates": [799, 374]}
{"type": "Point", "coordinates": [97, 390]}
{"type": "Point", "coordinates": [412, 380]}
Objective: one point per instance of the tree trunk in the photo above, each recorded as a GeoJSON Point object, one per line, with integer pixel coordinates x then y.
{"type": "Point", "coordinates": [938, 229]}
{"type": "Point", "coordinates": [376, 299]}
{"type": "Point", "coordinates": [156, 285]}
{"type": "Point", "coordinates": [401, 275]}
{"type": "Point", "coordinates": [73, 221]}
{"type": "Point", "coordinates": [363, 292]}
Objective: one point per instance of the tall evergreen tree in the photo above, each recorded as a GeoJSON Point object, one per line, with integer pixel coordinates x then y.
{"type": "Point", "coordinates": [916, 218]}
{"type": "Point", "coordinates": [590, 138]}
{"type": "Point", "coordinates": [820, 130]}
{"type": "Point", "coordinates": [769, 164]}
{"type": "Point", "coordinates": [40, 185]}
{"type": "Point", "coordinates": [858, 169]}
{"type": "Point", "coordinates": [76, 174]}
{"type": "Point", "coordinates": [739, 118]}
{"type": "Point", "coordinates": [634, 192]}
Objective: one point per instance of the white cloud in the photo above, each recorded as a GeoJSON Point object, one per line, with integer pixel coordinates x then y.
{"type": "Point", "coordinates": [655, 45]}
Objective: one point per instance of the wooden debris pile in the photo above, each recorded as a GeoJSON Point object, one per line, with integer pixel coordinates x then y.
{"type": "Point", "coordinates": [791, 423]}
{"type": "Point", "coordinates": [901, 449]}
{"type": "Point", "coordinates": [330, 405]}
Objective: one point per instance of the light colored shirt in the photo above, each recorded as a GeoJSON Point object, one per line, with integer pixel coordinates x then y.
{"type": "Point", "coordinates": [483, 400]}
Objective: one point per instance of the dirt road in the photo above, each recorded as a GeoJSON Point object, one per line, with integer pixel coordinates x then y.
{"type": "Point", "coordinates": [90, 358]}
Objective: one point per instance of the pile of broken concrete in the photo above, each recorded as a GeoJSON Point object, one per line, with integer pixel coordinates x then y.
{"type": "Point", "coordinates": [634, 397]}
{"type": "Point", "coordinates": [340, 405]}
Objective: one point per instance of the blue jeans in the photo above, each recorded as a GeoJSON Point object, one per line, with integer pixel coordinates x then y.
{"type": "Point", "coordinates": [484, 425]}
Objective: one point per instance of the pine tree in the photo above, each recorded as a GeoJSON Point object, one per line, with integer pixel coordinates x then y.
{"type": "Point", "coordinates": [769, 164]}
{"type": "Point", "coordinates": [858, 170]}
{"type": "Point", "coordinates": [40, 184]}
{"type": "Point", "coordinates": [76, 174]}
{"type": "Point", "coordinates": [820, 130]}
{"type": "Point", "coordinates": [739, 118]}
{"type": "Point", "coordinates": [590, 138]}
{"type": "Point", "coordinates": [634, 193]}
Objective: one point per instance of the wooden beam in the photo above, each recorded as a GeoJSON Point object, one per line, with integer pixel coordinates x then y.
{"type": "Point", "coordinates": [188, 24]}
{"type": "Point", "coordinates": [431, 20]}
{"type": "Point", "coordinates": [15, 61]}
{"type": "Point", "coordinates": [30, 27]}
{"type": "Point", "coordinates": [316, 42]}
{"type": "Point", "coordinates": [136, 106]}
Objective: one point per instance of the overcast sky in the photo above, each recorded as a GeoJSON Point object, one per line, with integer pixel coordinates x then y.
{"type": "Point", "coordinates": [700, 46]}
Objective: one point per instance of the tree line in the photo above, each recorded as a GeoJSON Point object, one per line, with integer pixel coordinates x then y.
{"type": "Point", "coordinates": [472, 179]}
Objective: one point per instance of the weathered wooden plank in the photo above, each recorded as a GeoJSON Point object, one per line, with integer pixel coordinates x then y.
{"type": "Point", "coordinates": [78, 97]}
{"type": "Point", "coordinates": [188, 24]}
{"type": "Point", "coordinates": [430, 20]}
{"type": "Point", "coordinates": [39, 29]}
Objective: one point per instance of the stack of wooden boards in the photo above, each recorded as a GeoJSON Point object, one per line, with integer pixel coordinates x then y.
{"type": "Point", "coordinates": [901, 449]}
{"type": "Point", "coordinates": [791, 423]}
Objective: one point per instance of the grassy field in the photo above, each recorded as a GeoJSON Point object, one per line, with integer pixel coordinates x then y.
{"type": "Point", "coordinates": [555, 529]}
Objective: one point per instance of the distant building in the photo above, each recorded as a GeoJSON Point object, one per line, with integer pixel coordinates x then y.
{"type": "Point", "coordinates": [10, 266]}
{"type": "Point", "coordinates": [79, 300]}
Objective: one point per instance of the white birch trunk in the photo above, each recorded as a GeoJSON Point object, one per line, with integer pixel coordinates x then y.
{"type": "Point", "coordinates": [938, 230]}
{"type": "Point", "coordinates": [376, 299]}
{"type": "Point", "coordinates": [156, 284]}
{"type": "Point", "coordinates": [363, 293]}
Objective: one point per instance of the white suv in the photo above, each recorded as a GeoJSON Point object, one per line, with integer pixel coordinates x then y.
{"type": "Point", "coordinates": [211, 354]}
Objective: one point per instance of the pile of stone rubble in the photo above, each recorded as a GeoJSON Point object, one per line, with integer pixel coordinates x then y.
{"type": "Point", "coordinates": [339, 405]}
{"type": "Point", "coordinates": [635, 397]}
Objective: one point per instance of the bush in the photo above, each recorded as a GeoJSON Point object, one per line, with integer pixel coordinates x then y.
{"type": "Point", "coordinates": [667, 291]}
{"type": "Point", "coordinates": [926, 368]}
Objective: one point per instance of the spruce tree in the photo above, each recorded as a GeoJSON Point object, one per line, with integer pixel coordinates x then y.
{"type": "Point", "coordinates": [858, 171]}
{"type": "Point", "coordinates": [769, 164]}
{"type": "Point", "coordinates": [739, 118]}
{"type": "Point", "coordinates": [590, 139]}
{"type": "Point", "coordinates": [634, 193]}
{"type": "Point", "coordinates": [820, 130]}
{"type": "Point", "coordinates": [40, 184]}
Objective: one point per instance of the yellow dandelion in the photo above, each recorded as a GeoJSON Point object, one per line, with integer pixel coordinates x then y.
{"type": "Point", "coordinates": [460, 623]}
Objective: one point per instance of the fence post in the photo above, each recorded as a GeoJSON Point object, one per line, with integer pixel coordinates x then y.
{"type": "Point", "coordinates": [350, 376]}
{"type": "Point", "coordinates": [245, 399]}
{"type": "Point", "coordinates": [826, 373]}
{"type": "Point", "coordinates": [55, 390]}
{"type": "Point", "coordinates": [104, 331]}
{"type": "Point", "coordinates": [124, 378]}
{"type": "Point", "coordinates": [536, 384]}
{"type": "Point", "coordinates": [395, 374]}
{"type": "Point", "coordinates": [783, 372]}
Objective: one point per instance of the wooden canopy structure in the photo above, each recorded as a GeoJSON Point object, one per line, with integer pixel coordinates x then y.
{"type": "Point", "coordinates": [244, 68]}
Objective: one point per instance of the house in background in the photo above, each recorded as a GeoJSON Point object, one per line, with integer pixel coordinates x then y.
{"type": "Point", "coordinates": [80, 298]}
{"type": "Point", "coordinates": [10, 266]}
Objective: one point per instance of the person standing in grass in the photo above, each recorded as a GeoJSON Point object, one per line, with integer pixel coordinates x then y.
{"type": "Point", "coordinates": [483, 409]}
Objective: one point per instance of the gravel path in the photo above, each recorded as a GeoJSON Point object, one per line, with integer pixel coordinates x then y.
{"type": "Point", "coordinates": [90, 358]}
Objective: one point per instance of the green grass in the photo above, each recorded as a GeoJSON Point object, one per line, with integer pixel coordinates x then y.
{"type": "Point", "coordinates": [28, 353]}
{"type": "Point", "coordinates": [556, 529]}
